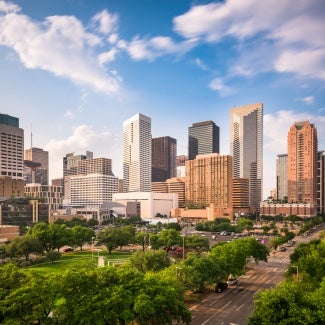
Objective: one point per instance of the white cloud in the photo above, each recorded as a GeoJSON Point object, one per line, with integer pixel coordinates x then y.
{"type": "Point", "coordinates": [150, 49]}
{"type": "Point", "coordinates": [8, 7]}
{"type": "Point", "coordinates": [218, 85]}
{"type": "Point", "coordinates": [309, 100]}
{"type": "Point", "coordinates": [83, 138]}
{"type": "Point", "coordinates": [107, 22]}
{"type": "Point", "coordinates": [60, 45]}
{"type": "Point", "coordinates": [286, 37]}
{"type": "Point", "coordinates": [69, 114]}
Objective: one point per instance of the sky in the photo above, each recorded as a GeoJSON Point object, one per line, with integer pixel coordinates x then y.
{"type": "Point", "coordinates": [73, 70]}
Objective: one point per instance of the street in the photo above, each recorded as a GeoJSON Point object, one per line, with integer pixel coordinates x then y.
{"type": "Point", "coordinates": [234, 305]}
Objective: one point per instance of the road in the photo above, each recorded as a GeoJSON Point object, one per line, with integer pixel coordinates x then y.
{"type": "Point", "coordinates": [234, 305]}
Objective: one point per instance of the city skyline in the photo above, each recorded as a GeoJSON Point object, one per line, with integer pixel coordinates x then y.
{"type": "Point", "coordinates": [177, 62]}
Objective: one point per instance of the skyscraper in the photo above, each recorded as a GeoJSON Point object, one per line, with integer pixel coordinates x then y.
{"type": "Point", "coordinates": [37, 155]}
{"type": "Point", "coordinates": [71, 161]}
{"type": "Point", "coordinates": [246, 147]}
{"type": "Point", "coordinates": [203, 138]}
{"type": "Point", "coordinates": [137, 154]}
{"type": "Point", "coordinates": [282, 177]}
{"type": "Point", "coordinates": [302, 163]}
{"type": "Point", "coordinates": [12, 147]}
{"type": "Point", "coordinates": [163, 159]}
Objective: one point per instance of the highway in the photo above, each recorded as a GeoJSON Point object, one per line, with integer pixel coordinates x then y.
{"type": "Point", "coordinates": [234, 305]}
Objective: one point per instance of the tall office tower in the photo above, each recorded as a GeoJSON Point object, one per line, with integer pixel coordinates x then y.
{"type": "Point", "coordinates": [137, 154]}
{"type": "Point", "coordinates": [70, 163]}
{"type": "Point", "coordinates": [11, 147]}
{"type": "Point", "coordinates": [209, 179]}
{"type": "Point", "coordinates": [246, 147]}
{"type": "Point", "coordinates": [321, 181]}
{"type": "Point", "coordinates": [282, 177]}
{"type": "Point", "coordinates": [302, 163]}
{"type": "Point", "coordinates": [101, 166]}
{"type": "Point", "coordinates": [203, 138]}
{"type": "Point", "coordinates": [180, 160]}
{"type": "Point", "coordinates": [163, 159]}
{"type": "Point", "coordinates": [40, 156]}
{"type": "Point", "coordinates": [241, 196]}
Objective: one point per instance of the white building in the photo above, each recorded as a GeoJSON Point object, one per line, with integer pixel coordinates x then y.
{"type": "Point", "coordinates": [150, 203]}
{"type": "Point", "coordinates": [246, 147]}
{"type": "Point", "coordinates": [12, 147]}
{"type": "Point", "coordinates": [92, 189]}
{"type": "Point", "coordinates": [137, 154]}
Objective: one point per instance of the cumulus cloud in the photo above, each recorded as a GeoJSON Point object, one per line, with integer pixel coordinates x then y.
{"type": "Point", "coordinates": [309, 100]}
{"type": "Point", "coordinates": [83, 138]}
{"type": "Point", "coordinates": [60, 45]}
{"type": "Point", "coordinates": [107, 23]}
{"type": "Point", "coordinates": [218, 85]}
{"type": "Point", "coordinates": [290, 35]}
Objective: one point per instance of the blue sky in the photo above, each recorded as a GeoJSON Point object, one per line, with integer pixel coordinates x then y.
{"type": "Point", "coordinates": [73, 71]}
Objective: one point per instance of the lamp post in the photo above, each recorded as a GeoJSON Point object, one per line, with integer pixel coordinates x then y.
{"type": "Point", "coordinates": [92, 247]}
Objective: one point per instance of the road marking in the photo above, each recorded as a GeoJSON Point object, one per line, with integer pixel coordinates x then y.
{"type": "Point", "coordinates": [241, 306]}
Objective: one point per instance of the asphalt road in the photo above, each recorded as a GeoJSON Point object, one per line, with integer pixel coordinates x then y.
{"type": "Point", "coordinates": [234, 305]}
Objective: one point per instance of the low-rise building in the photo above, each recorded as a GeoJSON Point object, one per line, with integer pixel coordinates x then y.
{"type": "Point", "coordinates": [288, 209]}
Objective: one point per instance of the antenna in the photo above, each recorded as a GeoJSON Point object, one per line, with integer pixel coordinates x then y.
{"type": "Point", "coordinates": [31, 135]}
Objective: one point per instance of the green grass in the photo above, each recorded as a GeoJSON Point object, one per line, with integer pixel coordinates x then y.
{"type": "Point", "coordinates": [78, 259]}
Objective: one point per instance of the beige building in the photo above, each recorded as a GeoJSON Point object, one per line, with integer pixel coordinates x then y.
{"type": "Point", "coordinates": [172, 185]}
{"type": "Point", "coordinates": [287, 209]}
{"type": "Point", "coordinates": [241, 196]}
{"type": "Point", "coordinates": [11, 187]}
{"type": "Point", "coordinates": [302, 163]}
{"type": "Point", "coordinates": [209, 180]}
{"type": "Point", "coordinates": [8, 233]}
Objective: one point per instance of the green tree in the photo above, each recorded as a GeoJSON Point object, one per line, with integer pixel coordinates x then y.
{"type": "Point", "coordinates": [82, 235]}
{"type": "Point", "coordinates": [169, 237]}
{"type": "Point", "coordinates": [24, 246]}
{"type": "Point", "coordinates": [245, 224]}
{"type": "Point", "coordinates": [197, 242]}
{"type": "Point", "coordinates": [53, 256]}
{"type": "Point", "coordinates": [142, 238]}
{"type": "Point", "coordinates": [150, 260]}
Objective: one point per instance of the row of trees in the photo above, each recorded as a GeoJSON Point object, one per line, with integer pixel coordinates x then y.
{"type": "Point", "coordinates": [300, 299]}
{"type": "Point", "coordinates": [149, 289]}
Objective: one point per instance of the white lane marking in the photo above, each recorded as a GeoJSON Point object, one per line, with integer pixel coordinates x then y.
{"type": "Point", "coordinates": [241, 306]}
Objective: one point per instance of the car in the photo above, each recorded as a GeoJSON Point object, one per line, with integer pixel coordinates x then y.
{"type": "Point", "coordinates": [68, 249]}
{"type": "Point", "coordinates": [232, 280]}
{"type": "Point", "coordinates": [282, 249]}
{"type": "Point", "coordinates": [220, 287]}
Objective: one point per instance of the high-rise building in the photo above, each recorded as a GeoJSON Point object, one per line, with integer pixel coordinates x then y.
{"type": "Point", "coordinates": [70, 163]}
{"type": "Point", "coordinates": [321, 182]}
{"type": "Point", "coordinates": [11, 147]}
{"type": "Point", "coordinates": [203, 138]}
{"type": "Point", "coordinates": [240, 196]}
{"type": "Point", "coordinates": [302, 163]}
{"type": "Point", "coordinates": [95, 166]}
{"type": "Point", "coordinates": [246, 147]}
{"type": "Point", "coordinates": [137, 154]}
{"type": "Point", "coordinates": [39, 173]}
{"type": "Point", "coordinates": [209, 179]}
{"type": "Point", "coordinates": [163, 159]}
{"type": "Point", "coordinates": [93, 189]}
{"type": "Point", "coordinates": [282, 177]}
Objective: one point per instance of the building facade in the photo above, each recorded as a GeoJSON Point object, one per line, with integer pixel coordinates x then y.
{"type": "Point", "coordinates": [101, 166]}
{"type": "Point", "coordinates": [41, 172]}
{"type": "Point", "coordinates": [203, 138]}
{"type": "Point", "coordinates": [11, 187]}
{"type": "Point", "coordinates": [282, 177]}
{"type": "Point", "coordinates": [11, 147]}
{"type": "Point", "coordinates": [246, 147]}
{"type": "Point", "coordinates": [71, 162]}
{"type": "Point", "coordinates": [163, 159]}
{"type": "Point", "coordinates": [209, 179]}
{"type": "Point", "coordinates": [302, 163]}
{"type": "Point", "coordinates": [304, 210]}
{"type": "Point", "coordinates": [321, 181]}
{"type": "Point", "coordinates": [137, 154]}
{"type": "Point", "coordinates": [92, 190]}
{"type": "Point", "coordinates": [240, 196]}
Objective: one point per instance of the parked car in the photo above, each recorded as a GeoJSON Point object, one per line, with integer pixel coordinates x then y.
{"type": "Point", "coordinates": [68, 249]}
{"type": "Point", "coordinates": [220, 287]}
{"type": "Point", "coordinates": [282, 249]}
{"type": "Point", "coordinates": [232, 280]}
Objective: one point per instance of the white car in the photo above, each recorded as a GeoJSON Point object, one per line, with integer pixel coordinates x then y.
{"type": "Point", "coordinates": [232, 280]}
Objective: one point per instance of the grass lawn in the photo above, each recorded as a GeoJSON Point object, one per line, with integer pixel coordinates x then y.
{"type": "Point", "coordinates": [80, 258]}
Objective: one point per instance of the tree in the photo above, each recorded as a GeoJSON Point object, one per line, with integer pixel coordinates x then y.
{"type": "Point", "coordinates": [198, 243]}
{"type": "Point", "coordinates": [53, 256]}
{"type": "Point", "coordinates": [142, 238]}
{"type": "Point", "coordinates": [245, 224]}
{"type": "Point", "coordinates": [82, 235]}
{"type": "Point", "coordinates": [169, 237]}
{"type": "Point", "coordinates": [24, 246]}
{"type": "Point", "coordinates": [150, 260]}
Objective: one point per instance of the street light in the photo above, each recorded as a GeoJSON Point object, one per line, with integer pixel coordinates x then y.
{"type": "Point", "coordinates": [92, 247]}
